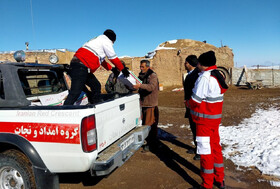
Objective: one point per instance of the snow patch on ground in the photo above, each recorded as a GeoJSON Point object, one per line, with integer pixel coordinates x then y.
{"type": "Point", "coordinates": [185, 126]}
{"type": "Point", "coordinates": [165, 126]}
{"type": "Point", "coordinates": [275, 183]}
{"type": "Point", "coordinates": [255, 142]}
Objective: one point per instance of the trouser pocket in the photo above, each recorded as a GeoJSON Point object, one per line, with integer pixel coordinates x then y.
{"type": "Point", "coordinates": [203, 145]}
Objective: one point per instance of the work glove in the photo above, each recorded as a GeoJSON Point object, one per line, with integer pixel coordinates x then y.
{"type": "Point", "coordinates": [125, 72]}
{"type": "Point", "coordinates": [115, 71]}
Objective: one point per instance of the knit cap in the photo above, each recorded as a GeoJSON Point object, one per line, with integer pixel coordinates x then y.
{"type": "Point", "coordinates": [110, 34]}
{"type": "Point", "coordinates": [207, 59]}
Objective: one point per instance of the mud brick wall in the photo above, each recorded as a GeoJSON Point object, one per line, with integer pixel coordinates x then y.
{"type": "Point", "coordinates": [7, 57]}
{"type": "Point", "coordinates": [168, 61]}
{"type": "Point", "coordinates": [64, 57]}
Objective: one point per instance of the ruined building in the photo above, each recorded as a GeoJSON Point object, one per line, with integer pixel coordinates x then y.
{"type": "Point", "coordinates": [167, 59]}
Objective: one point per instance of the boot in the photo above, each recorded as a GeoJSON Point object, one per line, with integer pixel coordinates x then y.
{"type": "Point", "coordinates": [191, 151]}
{"type": "Point", "coordinates": [196, 157]}
{"type": "Point", "coordinates": [220, 185]}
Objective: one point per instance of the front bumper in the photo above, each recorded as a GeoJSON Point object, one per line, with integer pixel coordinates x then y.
{"type": "Point", "coordinates": [113, 156]}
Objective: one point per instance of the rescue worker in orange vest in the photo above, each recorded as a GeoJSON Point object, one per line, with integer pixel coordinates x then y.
{"type": "Point", "coordinates": [206, 110]}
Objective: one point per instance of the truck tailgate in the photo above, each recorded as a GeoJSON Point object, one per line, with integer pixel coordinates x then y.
{"type": "Point", "coordinates": [115, 118]}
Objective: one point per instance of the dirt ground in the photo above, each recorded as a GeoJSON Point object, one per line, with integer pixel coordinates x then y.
{"type": "Point", "coordinates": [171, 166]}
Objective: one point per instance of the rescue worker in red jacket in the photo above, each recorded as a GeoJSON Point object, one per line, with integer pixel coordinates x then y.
{"type": "Point", "coordinates": [86, 61]}
{"type": "Point", "coordinates": [206, 110]}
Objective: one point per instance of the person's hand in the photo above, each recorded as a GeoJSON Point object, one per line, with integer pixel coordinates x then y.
{"type": "Point", "coordinates": [137, 86]}
{"type": "Point", "coordinates": [125, 72]}
{"type": "Point", "coordinates": [115, 71]}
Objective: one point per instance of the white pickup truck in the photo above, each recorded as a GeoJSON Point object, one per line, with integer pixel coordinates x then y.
{"type": "Point", "coordinates": [37, 142]}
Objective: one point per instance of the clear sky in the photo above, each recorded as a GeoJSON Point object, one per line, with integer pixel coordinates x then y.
{"type": "Point", "coordinates": [250, 27]}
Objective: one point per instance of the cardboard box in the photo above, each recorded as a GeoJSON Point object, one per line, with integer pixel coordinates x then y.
{"type": "Point", "coordinates": [131, 80]}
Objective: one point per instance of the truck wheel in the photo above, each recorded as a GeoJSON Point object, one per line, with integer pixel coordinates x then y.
{"type": "Point", "coordinates": [254, 86]}
{"type": "Point", "coordinates": [15, 171]}
{"type": "Point", "coordinates": [225, 73]}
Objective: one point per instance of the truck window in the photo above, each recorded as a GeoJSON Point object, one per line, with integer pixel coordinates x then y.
{"type": "Point", "coordinates": [36, 82]}
{"type": "Point", "coordinates": [2, 94]}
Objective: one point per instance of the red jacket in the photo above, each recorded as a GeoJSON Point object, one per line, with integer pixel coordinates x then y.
{"type": "Point", "coordinates": [206, 102]}
{"type": "Point", "coordinates": [92, 54]}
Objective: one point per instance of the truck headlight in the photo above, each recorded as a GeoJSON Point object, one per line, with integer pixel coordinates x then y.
{"type": "Point", "coordinates": [53, 59]}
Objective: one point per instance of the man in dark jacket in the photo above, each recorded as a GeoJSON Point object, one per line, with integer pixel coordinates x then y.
{"type": "Point", "coordinates": [148, 91]}
{"type": "Point", "coordinates": [114, 85]}
{"type": "Point", "coordinates": [190, 65]}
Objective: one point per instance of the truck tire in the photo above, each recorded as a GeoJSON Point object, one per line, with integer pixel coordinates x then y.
{"type": "Point", "coordinates": [260, 85]}
{"type": "Point", "coordinates": [225, 73]}
{"type": "Point", "coordinates": [16, 171]}
{"type": "Point", "coordinates": [254, 86]}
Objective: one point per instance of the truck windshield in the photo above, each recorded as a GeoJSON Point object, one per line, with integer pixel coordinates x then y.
{"type": "Point", "coordinates": [37, 82]}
